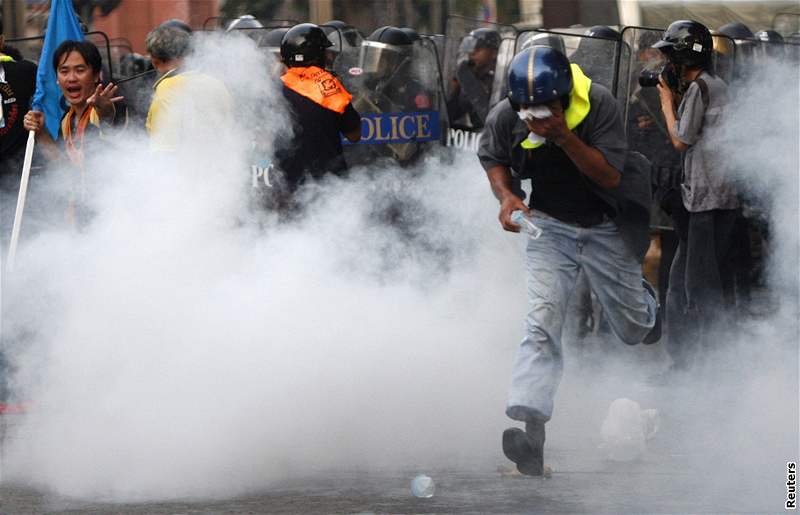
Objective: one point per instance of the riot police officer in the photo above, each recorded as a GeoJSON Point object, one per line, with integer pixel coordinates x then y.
{"type": "Point", "coordinates": [386, 62]}
{"type": "Point", "coordinates": [319, 106]}
{"type": "Point", "coordinates": [471, 88]}
{"type": "Point", "coordinates": [596, 53]}
{"type": "Point", "coordinates": [565, 133]}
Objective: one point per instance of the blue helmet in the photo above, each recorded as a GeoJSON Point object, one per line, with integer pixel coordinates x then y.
{"type": "Point", "coordinates": [539, 74]}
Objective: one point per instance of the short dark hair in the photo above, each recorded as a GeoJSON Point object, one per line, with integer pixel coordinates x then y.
{"type": "Point", "coordinates": [88, 51]}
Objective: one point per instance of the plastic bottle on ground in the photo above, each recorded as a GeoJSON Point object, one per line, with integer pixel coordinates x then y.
{"type": "Point", "coordinates": [422, 486]}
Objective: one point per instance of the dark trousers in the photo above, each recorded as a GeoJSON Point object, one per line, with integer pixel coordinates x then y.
{"type": "Point", "coordinates": [696, 297]}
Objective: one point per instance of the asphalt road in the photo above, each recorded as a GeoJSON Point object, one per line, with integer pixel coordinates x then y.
{"type": "Point", "coordinates": [722, 447]}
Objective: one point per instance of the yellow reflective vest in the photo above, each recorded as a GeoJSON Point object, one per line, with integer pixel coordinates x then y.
{"type": "Point", "coordinates": [579, 105]}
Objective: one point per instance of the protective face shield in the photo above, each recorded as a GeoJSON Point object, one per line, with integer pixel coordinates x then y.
{"type": "Point", "coordinates": [381, 60]}
{"type": "Point", "coordinates": [335, 38]}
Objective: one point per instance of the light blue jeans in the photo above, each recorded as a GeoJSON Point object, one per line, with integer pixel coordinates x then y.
{"type": "Point", "coordinates": [553, 262]}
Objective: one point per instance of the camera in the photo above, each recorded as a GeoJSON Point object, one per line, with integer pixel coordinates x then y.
{"type": "Point", "coordinates": [648, 78]}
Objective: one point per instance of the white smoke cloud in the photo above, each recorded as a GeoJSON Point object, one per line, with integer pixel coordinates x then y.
{"type": "Point", "coordinates": [182, 346]}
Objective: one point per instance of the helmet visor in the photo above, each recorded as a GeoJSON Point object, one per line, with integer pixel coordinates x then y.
{"type": "Point", "coordinates": [664, 46]}
{"type": "Point", "coordinates": [378, 58]}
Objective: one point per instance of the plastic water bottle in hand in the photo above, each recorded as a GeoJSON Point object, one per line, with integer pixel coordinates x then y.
{"type": "Point", "coordinates": [527, 225]}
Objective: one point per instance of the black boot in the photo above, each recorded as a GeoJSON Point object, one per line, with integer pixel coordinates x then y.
{"type": "Point", "coordinates": [526, 448]}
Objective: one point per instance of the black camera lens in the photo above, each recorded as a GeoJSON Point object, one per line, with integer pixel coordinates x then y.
{"type": "Point", "coordinates": [649, 78]}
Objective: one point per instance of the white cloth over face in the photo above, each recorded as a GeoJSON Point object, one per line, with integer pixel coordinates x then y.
{"type": "Point", "coordinates": [529, 113]}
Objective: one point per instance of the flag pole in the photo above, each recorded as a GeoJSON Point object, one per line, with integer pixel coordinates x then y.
{"type": "Point", "coordinates": [23, 193]}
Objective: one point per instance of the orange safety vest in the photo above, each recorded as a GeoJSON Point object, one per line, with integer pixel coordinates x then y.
{"type": "Point", "coordinates": [317, 85]}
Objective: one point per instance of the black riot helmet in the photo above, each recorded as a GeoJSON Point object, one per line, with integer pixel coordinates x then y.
{"type": "Point", "coordinates": [602, 31]}
{"type": "Point", "coordinates": [772, 42]}
{"type": "Point", "coordinates": [384, 51]}
{"type": "Point", "coordinates": [390, 36]}
{"type": "Point", "coordinates": [554, 41]}
{"type": "Point", "coordinates": [744, 45]}
{"type": "Point", "coordinates": [688, 43]}
{"type": "Point", "coordinates": [411, 33]}
{"type": "Point", "coordinates": [480, 38]}
{"type": "Point", "coordinates": [769, 36]}
{"type": "Point", "coordinates": [272, 40]}
{"type": "Point", "coordinates": [304, 45]}
{"type": "Point", "coordinates": [352, 37]}
{"type": "Point", "coordinates": [736, 30]}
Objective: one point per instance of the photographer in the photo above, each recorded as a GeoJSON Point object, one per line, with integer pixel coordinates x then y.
{"type": "Point", "coordinates": [710, 203]}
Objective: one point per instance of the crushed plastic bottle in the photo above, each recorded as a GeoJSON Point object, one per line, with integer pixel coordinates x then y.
{"type": "Point", "coordinates": [422, 486]}
{"type": "Point", "coordinates": [626, 430]}
{"type": "Point", "coordinates": [527, 225]}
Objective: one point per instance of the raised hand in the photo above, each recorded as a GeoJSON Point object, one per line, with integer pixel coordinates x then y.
{"type": "Point", "coordinates": [103, 100]}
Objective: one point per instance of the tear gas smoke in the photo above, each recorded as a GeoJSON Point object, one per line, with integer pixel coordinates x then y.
{"type": "Point", "coordinates": [182, 346]}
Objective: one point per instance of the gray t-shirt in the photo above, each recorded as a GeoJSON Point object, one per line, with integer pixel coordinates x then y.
{"type": "Point", "coordinates": [602, 129]}
{"type": "Point", "coordinates": [707, 183]}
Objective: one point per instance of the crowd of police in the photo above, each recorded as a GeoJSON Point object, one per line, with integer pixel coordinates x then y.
{"type": "Point", "coordinates": [594, 134]}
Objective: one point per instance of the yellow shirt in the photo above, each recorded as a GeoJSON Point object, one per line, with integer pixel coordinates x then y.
{"type": "Point", "coordinates": [188, 107]}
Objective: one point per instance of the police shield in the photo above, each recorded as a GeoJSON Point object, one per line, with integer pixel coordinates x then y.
{"type": "Point", "coordinates": [30, 48]}
{"type": "Point", "coordinates": [476, 58]}
{"type": "Point", "coordinates": [597, 56]}
{"type": "Point", "coordinates": [397, 90]}
{"type": "Point", "coordinates": [641, 108]}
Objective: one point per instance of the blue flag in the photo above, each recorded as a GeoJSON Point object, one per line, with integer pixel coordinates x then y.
{"type": "Point", "coordinates": [62, 25]}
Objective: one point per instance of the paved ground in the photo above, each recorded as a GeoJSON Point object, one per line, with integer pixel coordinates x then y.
{"type": "Point", "coordinates": [721, 448]}
{"type": "Point", "coordinates": [586, 487]}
